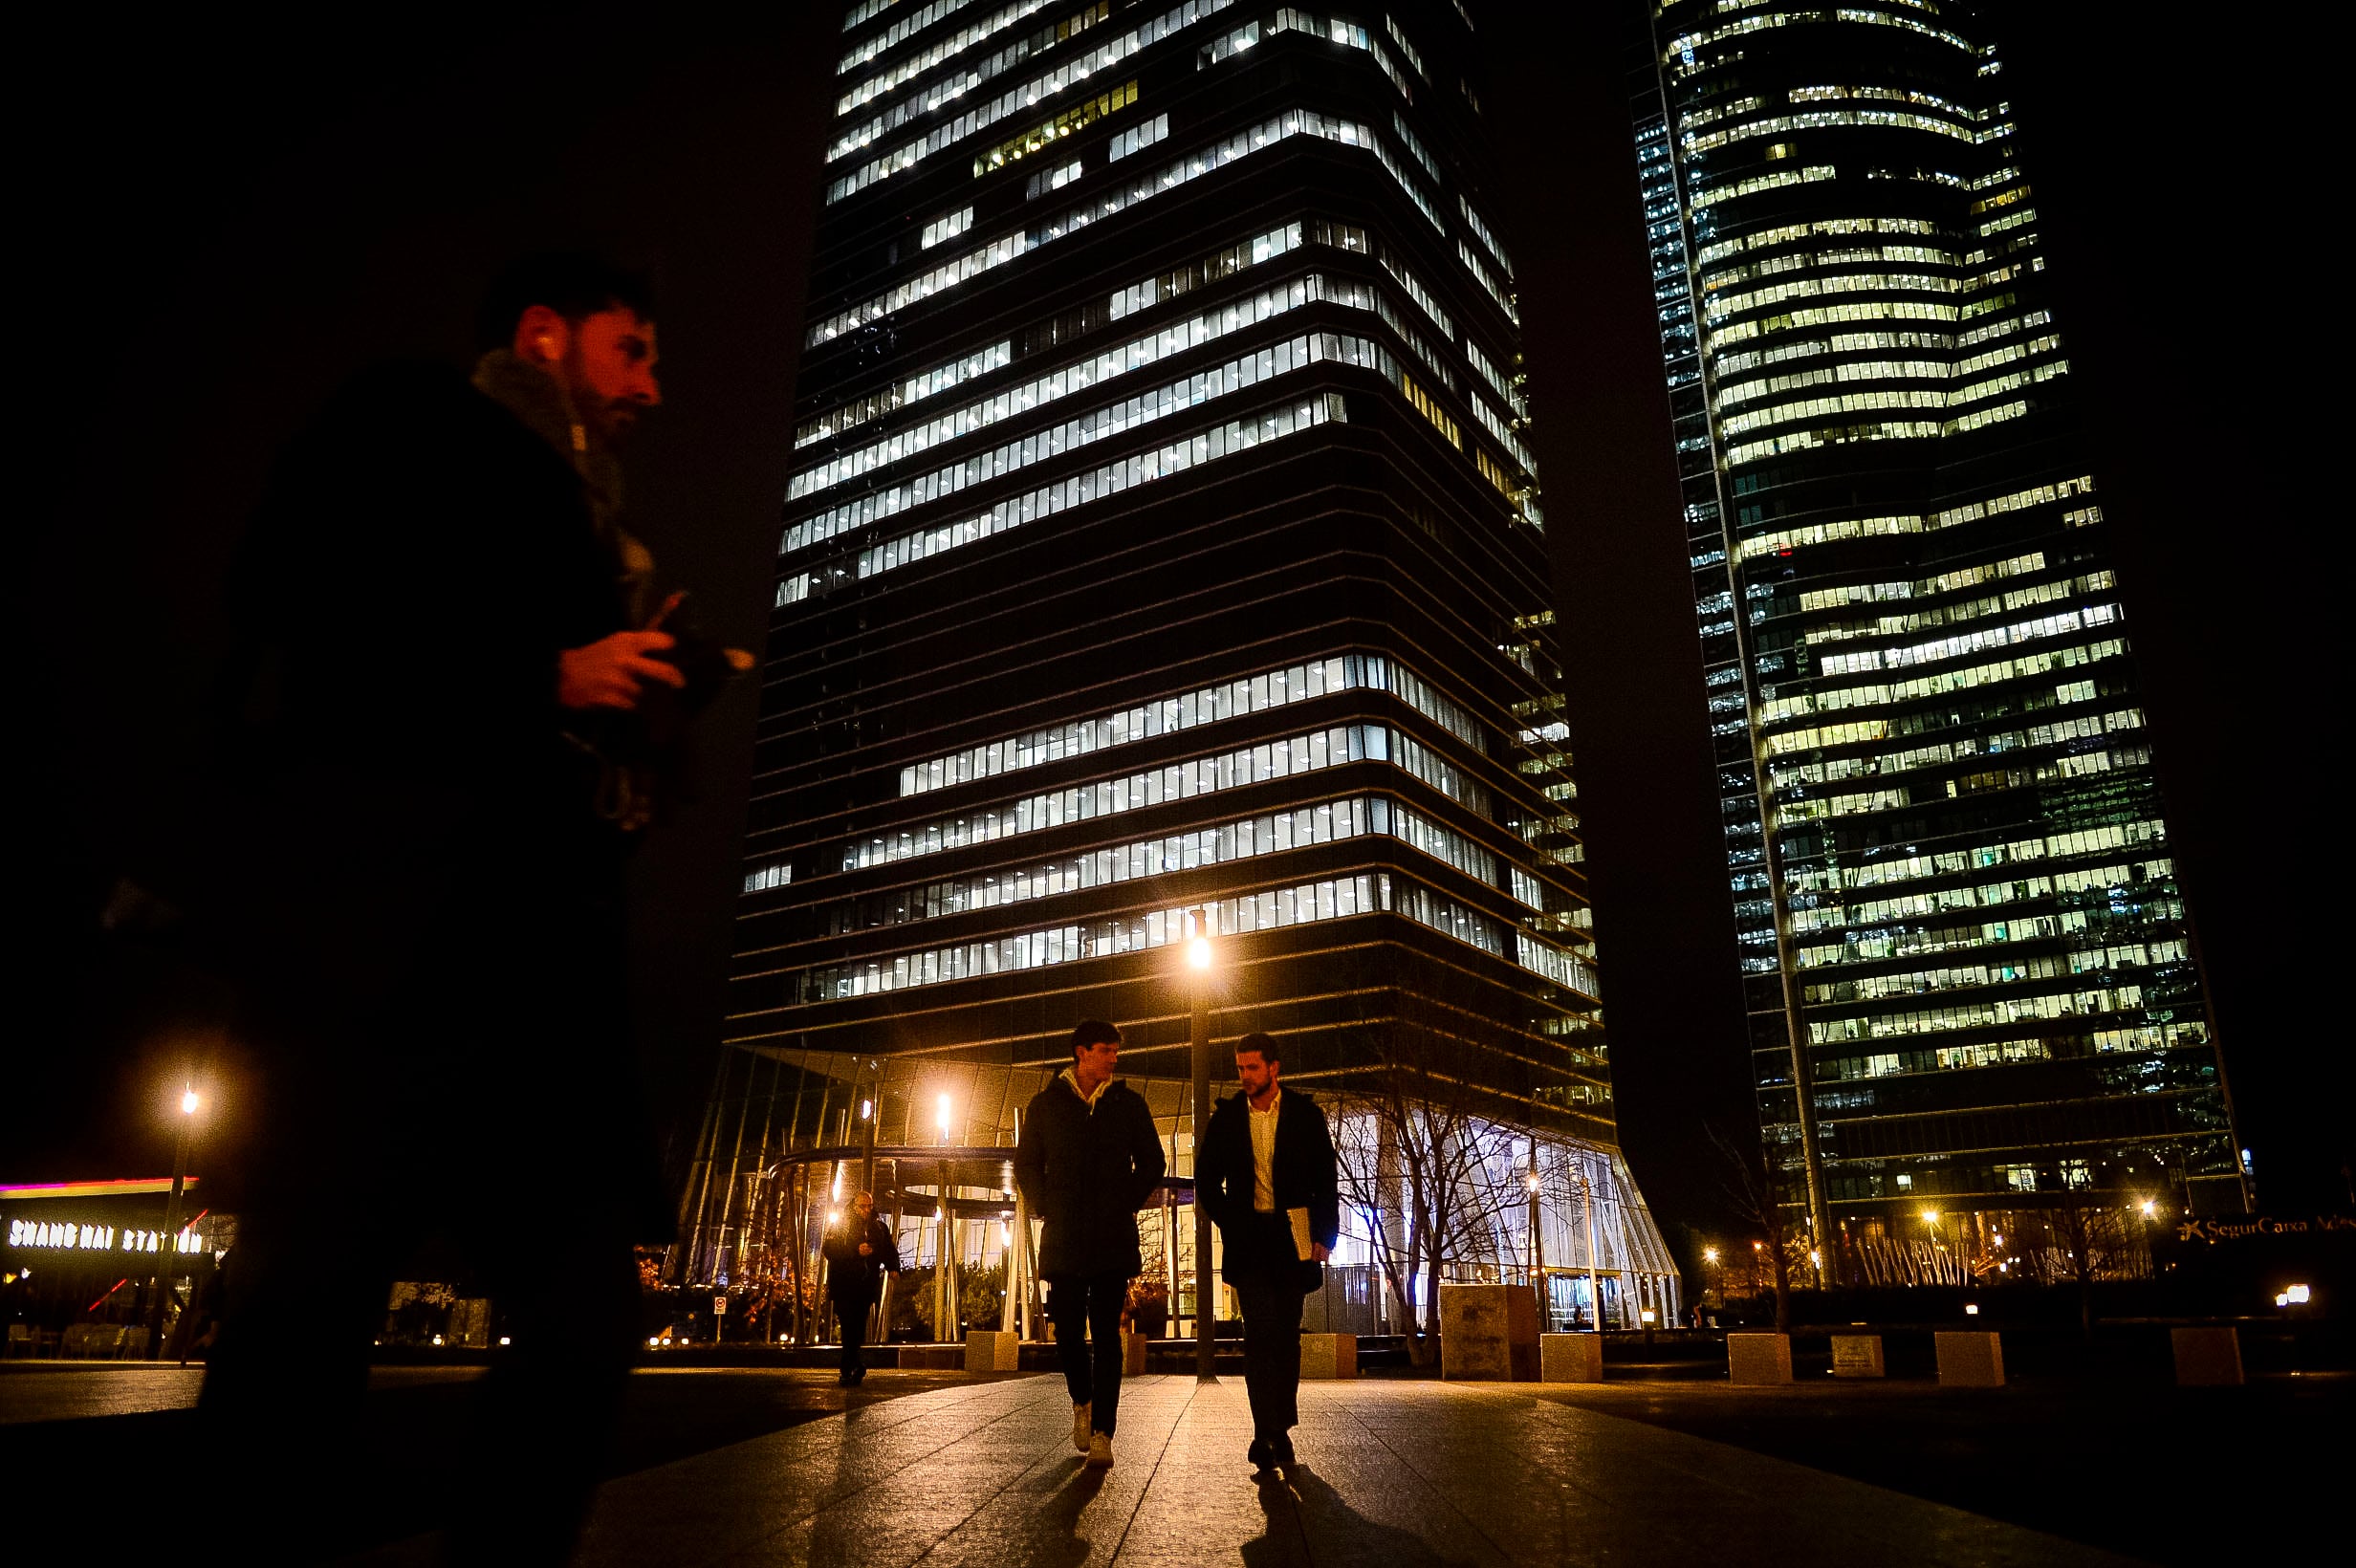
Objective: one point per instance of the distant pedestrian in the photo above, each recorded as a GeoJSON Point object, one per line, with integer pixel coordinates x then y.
{"type": "Point", "coordinates": [1267, 1177]}
{"type": "Point", "coordinates": [858, 1252]}
{"type": "Point", "coordinates": [1089, 1158]}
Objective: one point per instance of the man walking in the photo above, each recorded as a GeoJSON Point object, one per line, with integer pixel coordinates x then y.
{"type": "Point", "coordinates": [856, 1254]}
{"type": "Point", "coordinates": [1267, 1179]}
{"type": "Point", "coordinates": [1088, 1159]}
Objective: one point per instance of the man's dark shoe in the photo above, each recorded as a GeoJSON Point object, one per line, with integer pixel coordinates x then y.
{"type": "Point", "coordinates": [1262, 1456]}
{"type": "Point", "coordinates": [1281, 1450]}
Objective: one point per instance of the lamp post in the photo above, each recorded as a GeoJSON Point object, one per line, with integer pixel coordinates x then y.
{"type": "Point", "coordinates": [167, 1251]}
{"type": "Point", "coordinates": [1538, 1246]}
{"type": "Point", "coordinates": [1198, 960]}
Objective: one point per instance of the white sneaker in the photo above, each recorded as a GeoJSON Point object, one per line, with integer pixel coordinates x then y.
{"type": "Point", "coordinates": [1080, 1427]}
{"type": "Point", "coordinates": [1100, 1450]}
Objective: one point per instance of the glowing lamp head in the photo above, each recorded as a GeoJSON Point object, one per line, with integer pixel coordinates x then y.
{"type": "Point", "coordinates": [1530, 1181]}
{"type": "Point", "coordinates": [1198, 952]}
{"type": "Point", "coordinates": [188, 1103]}
{"type": "Point", "coordinates": [1709, 1255]}
{"type": "Point", "coordinates": [941, 1114]}
{"type": "Point", "coordinates": [1931, 1216]}
{"type": "Point", "coordinates": [2149, 1208]}
{"type": "Point", "coordinates": [2298, 1295]}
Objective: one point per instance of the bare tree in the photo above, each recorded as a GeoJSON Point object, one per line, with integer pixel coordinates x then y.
{"type": "Point", "coordinates": [2092, 1237]}
{"type": "Point", "coordinates": [1413, 1143]}
{"type": "Point", "coordinates": [1748, 1187]}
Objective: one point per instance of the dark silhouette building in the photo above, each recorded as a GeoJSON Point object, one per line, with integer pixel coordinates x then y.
{"type": "Point", "coordinates": [1962, 930]}
{"type": "Point", "coordinates": [1161, 553]}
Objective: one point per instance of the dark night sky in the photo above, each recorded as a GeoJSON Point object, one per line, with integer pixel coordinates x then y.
{"type": "Point", "coordinates": [212, 232]}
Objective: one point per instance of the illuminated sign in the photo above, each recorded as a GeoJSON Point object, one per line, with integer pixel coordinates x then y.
{"type": "Point", "coordinates": [64, 1235]}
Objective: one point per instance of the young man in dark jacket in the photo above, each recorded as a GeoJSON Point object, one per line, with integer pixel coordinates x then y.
{"type": "Point", "coordinates": [858, 1252]}
{"type": "Point", "coordinates": [1088, 1159]}
{"type": "Point", "coordinates": [1267, 1181]}
{"type": "Point", "coordinates": [444, 644]}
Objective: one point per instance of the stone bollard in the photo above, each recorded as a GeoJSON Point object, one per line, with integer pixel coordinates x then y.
{"type": "Point", "coordinates": [1133, 1354]}
{"type": "Point", "coordinates": [991, 1350]}
{"type": "Point", "coordinates": [1329, 1356]}
{"type": "Point", "coordinates": [1488, 1333]}
{"type": "Point", "coordinates": [1857, 1356]}
{"type": "Point", "coordinates": [1570, 1358]}
{"type": "Point", "coordinates": [1758, 1358]}
{"type": "Point", "coordinates": [2206, 1358]}
{"type": "Point", "coordinates": [1970, 1359]}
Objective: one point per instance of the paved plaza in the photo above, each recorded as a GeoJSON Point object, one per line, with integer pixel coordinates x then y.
{"type": "Point", "coordinates": [1393, 1472]}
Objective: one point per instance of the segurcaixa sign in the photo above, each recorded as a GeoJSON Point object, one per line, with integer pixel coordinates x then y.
{"type": "Point", "coordinates": [2220, 1229]}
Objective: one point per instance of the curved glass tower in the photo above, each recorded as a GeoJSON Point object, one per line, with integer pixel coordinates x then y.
{"type": "Point", "coordinates": [1967, 962]}
{"type": "Point", "coordinates": [1162, 555]}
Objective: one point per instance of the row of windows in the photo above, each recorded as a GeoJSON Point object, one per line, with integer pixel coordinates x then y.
{"type": "Point", "coordinates": [1147, 407]}
{"type": "Point", "coordinates": [1016, 101]}
{"type": "Point", "coordinates": [1327, 822]}
{"type": "Point", "coordinates": [1047, 132]}
{"type": "Point", "coordinates": [1022, 398]}
{"type": "Point", "coordinates": [1978, 896]}
{"type": "Point", "coordinates": [2023, 667]}
{"type": "Point", "coordinates": [1920, 398]}
{"type": "Point", "coordinates": [1974, 976]}
{"type": "Point", "coordinates": [2087, 618]}
{"type": "Point", "coordinates": [1914, 621]}
{"type": "Point", "coordinates": [1220, 441]}
{"type": "Point", "coordinates": [925, 383]}
{"type": "Point", "coordinates": [1718, 307]}
{"type": "Point", "coordinates": [1209, 705]}
{"type": "Point", "coordinates": [1006, 248]}
{"type": "Point", "coordinates": [1800, 441]}
{"type": "Point", "coordinates": [1852, 255]}
{"type": "Point", "coordinates": [954, 85]}
{"type": "Point", "coordinates": [2085, 726]}
{"type": "Point", "coordinates": [1824, 316]}
{"type": "Point", "coordinates": [1133, 140]}
{"type": "Point", "coordinates": [2092, 1003]}
{"type": "Point", "coordinates": [1706, 197]}
{"type": "Point", "coordinates": [1310, 752]}
{"type": "Point", "coordinates": [1903, 120]}
{"type": "Point", "coordinates": [1880, 943]}
{"type": "Point", "coordinates": [1227, 44]}
{"type": "Point", "coordinates": [1944, 582]}
{"type": "Point", "coordinates": [1681, 52]}
{"type": "Point", "coordinates": [906, 28]}
{"type": "Point", "coordinates": [1338, 899]}
{"type": "Point", "coordinates": [2135, 1037]}
{"type": "Point", "coordinates": [1349, 34]}
{"type": "Point", "coordinates": [1785, 233]}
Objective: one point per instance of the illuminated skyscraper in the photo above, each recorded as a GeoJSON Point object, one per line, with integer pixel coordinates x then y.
{"type": "Point", "coordinates": [1963, 930]}
{"type": "Point", "coordinates": [1161, 550]}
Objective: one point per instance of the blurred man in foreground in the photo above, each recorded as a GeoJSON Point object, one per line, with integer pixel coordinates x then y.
{"type": "Point", "coordinates": [448, 726]}
{"type": "Point", "coordinates": [858, 1252]}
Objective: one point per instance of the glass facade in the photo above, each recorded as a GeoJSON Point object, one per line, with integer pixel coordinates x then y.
{"type": "Point", "coordinates": [1161, 550]}
{"type": "Point", "coordinates": [1960, 923]}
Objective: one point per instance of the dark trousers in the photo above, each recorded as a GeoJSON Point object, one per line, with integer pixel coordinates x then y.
{"type": "Point", "coordinates": [1091, 1303]}
{"type": "Point", "coordinates": [1271, 1353]}
{"type": "Point", "coordinates": [851, 1311]}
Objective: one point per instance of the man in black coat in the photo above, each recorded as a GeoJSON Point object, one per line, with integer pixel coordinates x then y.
{"type": "Point", "coordinates": [1268, 1180]}
{"type": "Point", "coordinates": [446, 665]}
{"type": "Point", "coordinates": [1089, 1157]}
{"type": "Point", "coordinates": [858, 1251]}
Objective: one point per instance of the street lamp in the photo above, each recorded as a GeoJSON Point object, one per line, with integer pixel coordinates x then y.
{"type": "Point", "coordinates": [1198, 960]}
{"type": "Point", "coordinates": [1537, 1244]}
{"type": "Point", "coordinates": [167, 1254]}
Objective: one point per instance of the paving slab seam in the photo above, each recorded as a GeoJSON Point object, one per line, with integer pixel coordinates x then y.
{"type": "Point", "coordinates": [1430, 1482]}
{"type": "Point", "coordinates": [839, 1499]}
{"type": "Point", "coordinates": [1163, 1452]}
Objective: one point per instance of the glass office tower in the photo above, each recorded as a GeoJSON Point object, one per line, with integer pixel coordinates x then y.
{"type": "Point", "coordinates": [1162, 555]}
{"type": "Point", "coordinates": [1962, 930]}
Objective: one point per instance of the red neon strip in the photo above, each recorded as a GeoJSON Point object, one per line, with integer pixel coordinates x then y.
{"type": "Point", "coordinates": [101, 1300]}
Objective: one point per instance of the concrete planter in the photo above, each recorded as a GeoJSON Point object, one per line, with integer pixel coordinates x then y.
{"type": "Point", "coordinates": [2206, 1358]}
{"type": "Point", "coordinates": [1488, 1333]}
{"type": "Point", "coordinates": [1570, 1358]}
{"type": "Point", "coordinates": [1329, 1356]}
{"type": "Point", "coordinates": [1971, 1359]}
{"type": "Point", "coordinates": [991, 1351]}
{"type": "Point", "coordinates": [1758, 1358]}
{"type": "Point", "coordinates": [1857, 1356]}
